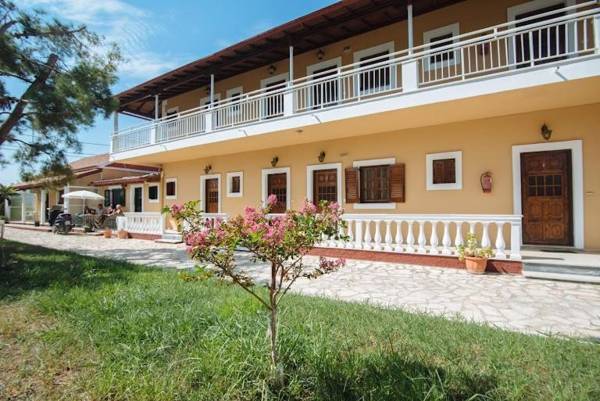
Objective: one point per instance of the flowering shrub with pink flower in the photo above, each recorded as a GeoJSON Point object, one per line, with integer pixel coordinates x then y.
{"type": "Point", "coordinates": [280, 240]}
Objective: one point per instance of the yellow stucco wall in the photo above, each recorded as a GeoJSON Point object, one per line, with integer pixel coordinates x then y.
{"type": "Point", "coordinates": [486, 145]}
{"type": "Point", "coordinates": [471, 15]}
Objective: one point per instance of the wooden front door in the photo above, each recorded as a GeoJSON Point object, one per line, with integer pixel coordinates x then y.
{"type": "Point", "coordinates": [277, 185]}
{"type": "Point", "coordinates": [546, 198]}
{"type": "Point", "coordinates": [211, 194]}
{"type": "Point", "coordinates": [325, 186]}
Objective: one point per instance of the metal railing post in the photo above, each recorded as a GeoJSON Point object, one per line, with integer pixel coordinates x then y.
{"type": "Point", "coordinates": [410, 76]}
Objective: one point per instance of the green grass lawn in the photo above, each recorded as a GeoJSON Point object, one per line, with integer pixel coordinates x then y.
{"type": "Point", "coordinates": [74, 327]}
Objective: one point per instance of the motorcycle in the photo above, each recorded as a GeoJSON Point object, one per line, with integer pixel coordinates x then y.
{"type": "Point", "coordinates": [63, 224]}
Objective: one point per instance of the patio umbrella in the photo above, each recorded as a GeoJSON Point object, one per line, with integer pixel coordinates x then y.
{"type": "Point", "coordinates": [87, 195]}
{"type": "Point", "coordinates": [83, 195]}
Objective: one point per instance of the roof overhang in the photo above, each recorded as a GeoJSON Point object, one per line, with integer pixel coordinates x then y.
{"type": "Point", "coordinates": [152, 177]}
{"type": "Point", "coordinates": [327, 25]}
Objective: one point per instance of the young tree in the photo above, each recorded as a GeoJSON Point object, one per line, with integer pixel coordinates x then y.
{"type": "Point", "coordinates": [281, 241]}
{"type": "Point", "coordinates": [54, 78]}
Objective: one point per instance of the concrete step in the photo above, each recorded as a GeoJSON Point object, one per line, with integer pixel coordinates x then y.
{"type": "Point", "coordinates": [170, 237]}
{"type": "Point", "coordinates": [562, 272]}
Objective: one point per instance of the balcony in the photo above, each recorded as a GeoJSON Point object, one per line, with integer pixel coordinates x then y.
{"type": "Point", "coordinates": [565, 36]}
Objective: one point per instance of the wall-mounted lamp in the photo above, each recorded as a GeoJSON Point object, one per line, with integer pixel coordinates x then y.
{"type": "Point", "coordinates": [346, 49]}
{"type": "Point", "coordinates": [207, 168]}
{"type": "Point", "coordinates": [320, 54]}
{"type": "Point", "coordinates": [272, 69]}
{"type": "Point", "coordinates": [321, 156]}
{"type": "Point", "coordinates": [207, 90]}
{"type": "Point", "coordinates": [274, 161]}
{"type": "Point", "coordinates": [546, 132]}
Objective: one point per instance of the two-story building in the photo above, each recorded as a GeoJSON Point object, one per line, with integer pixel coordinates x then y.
{"type": "Point", "coordinates": [425, 119]}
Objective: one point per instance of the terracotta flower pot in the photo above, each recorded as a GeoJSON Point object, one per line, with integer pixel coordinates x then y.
{"type": "Point", "coordinates": [107, 233]}
{"type": "Point", "coordinates": [475, 265]}
{"type": "Point", "coordinates": [122, 234]}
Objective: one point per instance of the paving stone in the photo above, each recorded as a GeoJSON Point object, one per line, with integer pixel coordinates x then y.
{"type": "Point", "coordinates": [504, 301]}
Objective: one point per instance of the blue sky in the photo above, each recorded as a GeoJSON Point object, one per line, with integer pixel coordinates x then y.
{"type": "Point", "coordinates": [156, 36]}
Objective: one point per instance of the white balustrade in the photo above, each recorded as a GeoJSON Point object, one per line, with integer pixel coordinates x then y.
{"type": "Point", "coordinates": [364, 231]}
{"type": "Point", "coordinates": [144, 223]}
{"type": "Point", "coordinates": [486, 52]}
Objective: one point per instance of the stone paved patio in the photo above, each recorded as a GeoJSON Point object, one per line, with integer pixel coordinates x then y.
{"type": "Point", "coordinates": [510, 302]}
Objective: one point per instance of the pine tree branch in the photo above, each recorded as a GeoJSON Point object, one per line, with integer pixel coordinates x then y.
{"type": "Point", "coordinates": [17, 76]}
{"type": "Point", "coordinates": [17, 112]}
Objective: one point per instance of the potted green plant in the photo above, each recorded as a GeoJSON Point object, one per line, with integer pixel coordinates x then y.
{"type": "Point", "coordinates": [474, 256]}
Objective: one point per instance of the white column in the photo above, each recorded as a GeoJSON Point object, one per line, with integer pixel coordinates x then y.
{"type": "Point", "coordinates": [212, 90]}
{"type": "Point", "coordinates": [288, 96]}
{"type": "Point", "coordinates": [6, 209]}
{"type": "Point", "coordinates": [65, 200]}
{"type": "Point", "coordinates": [388, 236]}
{"type": "Point", "coordinates": [596, 33]}
{"type": "Point", "coordinates": [433, 239]}
{"type": "Point", "coordinates": [446, 241]}
{"type": "Point", "coordinates": [398, 239]}
{"type": "Point", "coordinates": [515, 240]}
{"type": "Point", "coordinates": [23, 208]}
{"type": "Point", "coordinates": [115, 122]}
{"type": "Point", "coordinates": [410, 238]}
{"type": "Point", "coordinates": [377, 246]}
{"type": "Point", "coordinates": [43, 207]}
{"type": "Point", "coordinates": [156, 107]}
{"type": "Point", "coordinates": [291, 68]}
{"type": "Point", "coordinates": [421, 241]}
{"type": "Point", "coordinates": [500, 244]}
{"type": "Point", "coordinates": [409, 19]}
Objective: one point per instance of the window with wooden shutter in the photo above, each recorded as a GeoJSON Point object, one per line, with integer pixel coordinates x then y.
{"type": "Point", "coordinates": [375, 184]}
{"type": "Point", "coordinates": [351, 178]}
{"type": "Point", "coordinates": [444, 171]}
{"type": "Point", "coordinates": [397, 185]}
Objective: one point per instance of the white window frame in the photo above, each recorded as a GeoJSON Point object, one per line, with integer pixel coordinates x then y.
{"type": "Point", "coordinates": [288, 184]}
{"type": "Point", "coordinates": [203, 179]}
{"type": "Point", "coordinates": [310, 179]}
{"type": "Point", "coordinates": [389, 46]}
{"type": "Point", "coordinates": [429, 159]}
{"type": "Point", "coordinates": [229, 180]}
{"type": "Point", "coordinates": [132, 192]}
{"type": "Point", "coordinates": [233, 91]}
{"type": "Point", "coordinates": [453, 29]}
{"type": "Point", "coordinates": [157, 200]}
{"type": "Point", "coordinates": [167, 181]}
{"type": "Point", "coordinates": [374, 162]}
{"type": "Point", "coordinates": [576, 148]}
{"type": "Point", "coordinates": [310, 70]}
{"type": "Point", "coordinates": [205, 99]}
{"type": "Point", "coordinates": [514, 11]}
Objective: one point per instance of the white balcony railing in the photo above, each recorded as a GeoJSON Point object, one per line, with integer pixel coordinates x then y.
{"type": "Point", "coordinates": [432, 234]}
{"type": "Point", "coordinates": [565, 34]}
{"type": "Point", "coordinates": [152, 223]}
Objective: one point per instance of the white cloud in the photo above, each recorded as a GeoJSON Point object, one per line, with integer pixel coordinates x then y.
{"type": "Point", "coordinates": [132, 28]}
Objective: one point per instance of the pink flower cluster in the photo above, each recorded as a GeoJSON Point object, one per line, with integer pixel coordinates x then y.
{"type": "Point", "coordinates": [176, 209]}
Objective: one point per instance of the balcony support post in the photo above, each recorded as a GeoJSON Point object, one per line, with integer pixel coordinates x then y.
{"type": "Point", "coordinates": [156, 106]}
{"type": "Point", "coordinates": [23, 208]}
{"type": "Point", "coordinates": [409, 19]}
{"type": "Point", "coordinates": [597, 33]}
{"type": "Point", "coordinates": [288, 96]}
{"type": "Point", "coordinates": [212, 90]}
{"type": "Point", "coordinates": [43, 207]}
{"type": "Point", "coordinates": [410, 76]}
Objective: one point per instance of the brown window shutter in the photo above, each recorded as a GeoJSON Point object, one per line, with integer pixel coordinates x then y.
{"type": "Point", "coordinates": [397, 183]}
{"type": "Point", "coordinates": [351, 176]}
